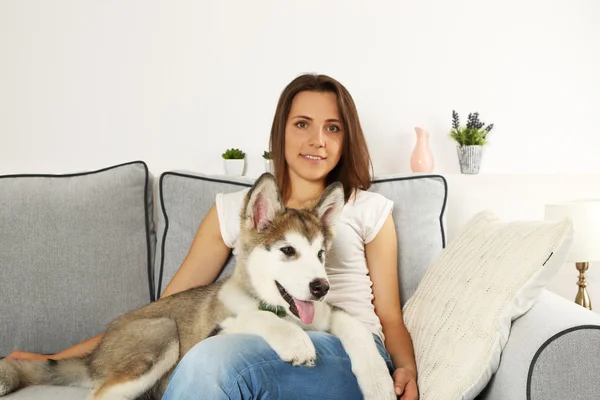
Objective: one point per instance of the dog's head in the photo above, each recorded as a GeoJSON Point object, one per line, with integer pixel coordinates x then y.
{"type": "Point", "coordinates": [285, 249]}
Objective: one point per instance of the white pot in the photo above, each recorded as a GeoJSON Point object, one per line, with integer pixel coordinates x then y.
{"type": "Point", "coordinates": [234, 167]}
{"type": "Point", "coordinates": [469, 158]}
{"type": "Point", "coordinates": [269, 166]}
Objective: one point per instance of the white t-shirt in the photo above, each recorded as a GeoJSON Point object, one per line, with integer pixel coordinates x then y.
{"type": "Point", "coordinates": [346, 265]}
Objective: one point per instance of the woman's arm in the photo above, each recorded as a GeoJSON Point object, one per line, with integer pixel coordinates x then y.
{"type": "Point", "coordinates": [204, 260]}
{"type": "Point", "coordinates": [381, 255]}
{"type": "Point", "coordinates": [78, 350]}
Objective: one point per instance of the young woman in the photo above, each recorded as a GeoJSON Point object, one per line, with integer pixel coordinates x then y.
{"type": "Point", "coordinates": [316, 138]}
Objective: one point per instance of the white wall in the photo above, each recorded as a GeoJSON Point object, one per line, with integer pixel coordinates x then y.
{"type": "Point", "coordinates": [89, 83]}
{"type": "Point", "coordinates": [86, 84]}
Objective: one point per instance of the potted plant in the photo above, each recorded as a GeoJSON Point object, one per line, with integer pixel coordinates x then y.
{"type": "Point", "coordinates": [470, 140]}
{"type": "Point", "coordinates": [268, 162]}
{"type": "Point", "coordinates": [234, 161]}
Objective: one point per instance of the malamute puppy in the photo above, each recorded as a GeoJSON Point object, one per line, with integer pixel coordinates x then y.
{"type": "Point", "coordinates": [276, 291]}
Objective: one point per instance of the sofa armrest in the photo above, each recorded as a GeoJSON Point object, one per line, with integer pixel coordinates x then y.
{"type": "Point", "coordinates": [551, 353]}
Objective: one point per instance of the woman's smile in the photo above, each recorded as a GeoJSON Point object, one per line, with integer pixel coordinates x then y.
{"type": "Point", "coordinates": [313, 158]}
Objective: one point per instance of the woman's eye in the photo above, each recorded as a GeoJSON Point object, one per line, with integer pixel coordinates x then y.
{"type": "Point", "coordinates": [301, 124]}
{"type": "Point", "coordinates": [334, 128]}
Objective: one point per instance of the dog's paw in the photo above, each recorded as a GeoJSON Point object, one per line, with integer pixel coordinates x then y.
{"type": "Point", "coordinates": [375, 380]}
{"type": "Point", "coordinates": [379, 388]}
{"type": "Point", "coordinates": [288, 340]}
{"type": "Point", "coordinates": [293, 345]}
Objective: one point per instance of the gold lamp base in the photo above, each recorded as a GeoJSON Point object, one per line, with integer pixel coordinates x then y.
{"type": "Point", "coordinates": [582, 298]}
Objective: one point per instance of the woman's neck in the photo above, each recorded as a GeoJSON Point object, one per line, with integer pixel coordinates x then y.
{"type": "Point", "coordinates": [302, 192]}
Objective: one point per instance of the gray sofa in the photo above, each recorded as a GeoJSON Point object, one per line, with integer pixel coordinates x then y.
{"type": "Point", "coordinates": [78, 250]}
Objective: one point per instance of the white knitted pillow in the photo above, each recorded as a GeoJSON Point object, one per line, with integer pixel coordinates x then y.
{"type": "Point", "coordinates": [460, 315]}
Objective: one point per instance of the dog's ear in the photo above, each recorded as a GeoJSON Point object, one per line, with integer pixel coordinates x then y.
{"type": "Point", "coordinates": [263, 202]}
{"type": "Point", "coordinates": [330, 205]}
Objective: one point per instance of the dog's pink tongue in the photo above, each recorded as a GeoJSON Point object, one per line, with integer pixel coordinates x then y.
{"type": "Point", "coordinates": [306, 310]}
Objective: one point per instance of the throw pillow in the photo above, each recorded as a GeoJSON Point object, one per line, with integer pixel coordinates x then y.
{"type": "Point", "coordinates": [460, 315]}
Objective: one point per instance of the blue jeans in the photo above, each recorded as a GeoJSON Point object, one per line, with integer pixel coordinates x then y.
{"type": "Point", "coordinates": [238, 366]}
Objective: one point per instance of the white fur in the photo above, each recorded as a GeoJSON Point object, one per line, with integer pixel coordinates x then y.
{"type": "Point", "coordinates": [134, 388]}
{"type": "Point", "coordinates": [235, 298]}
{"type": "Point", "coordinates": [264, 267]}
{"type": "Point", "coordinates": [368, 366]}
{"type": "Point", "coordinates": [288, 340]}
{"type": "Point", "coordinates": [3, 389]}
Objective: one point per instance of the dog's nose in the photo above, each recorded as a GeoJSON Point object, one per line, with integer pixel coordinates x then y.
{"type": "Point", "coordinates": [319, 287]}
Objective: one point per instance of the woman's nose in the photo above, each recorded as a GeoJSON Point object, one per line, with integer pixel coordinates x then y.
{"type": "Point", "coordinates": [317, 138]}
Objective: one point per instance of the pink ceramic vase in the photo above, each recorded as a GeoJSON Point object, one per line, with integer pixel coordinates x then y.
{"type": "Point", "coordinates": [421, 159]}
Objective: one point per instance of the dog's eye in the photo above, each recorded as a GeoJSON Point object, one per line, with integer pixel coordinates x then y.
{"type": "Point", "coordinates": [321, 255]}
{"type": "Point", "coordinates": [288, 251]}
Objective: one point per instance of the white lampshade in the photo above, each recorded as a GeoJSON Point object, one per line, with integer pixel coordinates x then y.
{"type": "Point", "coordinates": [585, 215]}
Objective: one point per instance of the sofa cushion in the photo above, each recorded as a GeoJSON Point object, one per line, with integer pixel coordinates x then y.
{"type": "Point", "coordinates": [76, 251]}
{"type": "Point", "coordinates": [461, 314]}
{"type": "Point", "coordinates": [419, 204]}
{"type": "Point", "coordinates": [43, 392]}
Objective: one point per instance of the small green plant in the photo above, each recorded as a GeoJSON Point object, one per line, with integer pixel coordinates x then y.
{"type": "Point", "coordinates": [267, 155]}
{"type": "Point", "coordinates": [233, 154]}
{"type": "Point", "coordinates": [473, 134]}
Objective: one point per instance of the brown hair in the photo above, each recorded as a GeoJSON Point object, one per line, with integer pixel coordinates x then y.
{"type": "Point", "coordinates": [353, 168]}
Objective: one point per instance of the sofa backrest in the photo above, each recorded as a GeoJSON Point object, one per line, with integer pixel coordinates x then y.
{"type": "Point", "coordinates": [419, 205]}
{"type": "Point", "coordinates": [76, 251]}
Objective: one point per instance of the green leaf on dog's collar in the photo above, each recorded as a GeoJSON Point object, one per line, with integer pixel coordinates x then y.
{"type": "Point", "coordinates": [277, 310]}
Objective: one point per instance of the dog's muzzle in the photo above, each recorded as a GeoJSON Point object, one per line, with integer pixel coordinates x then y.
{"type": "Point", "coordinates": [319, 288]}
{"type": "Point", "coordinates": [288, 298]}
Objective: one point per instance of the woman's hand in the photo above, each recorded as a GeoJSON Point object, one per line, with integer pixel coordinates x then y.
{"type": "Point", "coordinates": [405, 384]}
{"type": "Point", "coordinates": [23, 355]}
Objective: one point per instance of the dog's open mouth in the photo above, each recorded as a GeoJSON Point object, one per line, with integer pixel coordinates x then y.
{"type": "Point", "coordinates": [304, 310]}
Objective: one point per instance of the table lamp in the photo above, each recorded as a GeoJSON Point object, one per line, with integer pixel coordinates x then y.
{"type": "Point", "coordinates": [585, 215]}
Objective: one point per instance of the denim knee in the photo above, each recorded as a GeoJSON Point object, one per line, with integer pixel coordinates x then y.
{"type": "Point", "coordinates": [237, 366]}
{"type": "Point", "coordinates": [221, 367]}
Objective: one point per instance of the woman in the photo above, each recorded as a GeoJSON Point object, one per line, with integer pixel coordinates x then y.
{"type": "Point", "coordinates": [316, 138]}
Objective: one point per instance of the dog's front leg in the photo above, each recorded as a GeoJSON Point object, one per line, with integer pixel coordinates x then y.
{"type": "Point", "coordinates": [368, 366]}
{"type": "Point", "coordinates": [288, 340]}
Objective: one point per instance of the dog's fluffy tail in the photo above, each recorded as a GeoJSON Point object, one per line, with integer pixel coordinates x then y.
{"type": "Point", "coordinates": [17, 374]}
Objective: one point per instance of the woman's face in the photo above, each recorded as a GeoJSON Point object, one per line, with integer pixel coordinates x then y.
{"type": "Point", "coordinates": [313, 136]}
